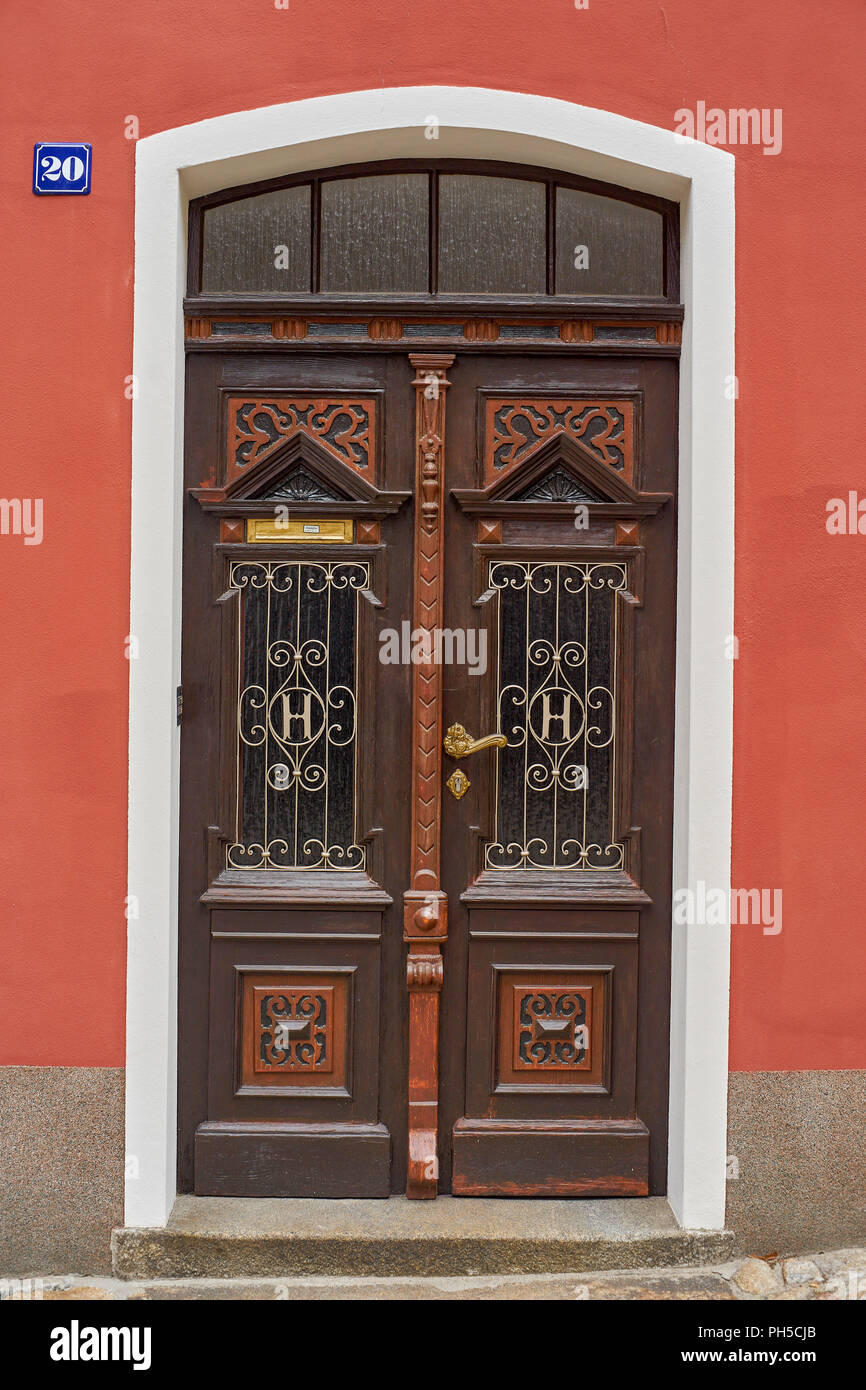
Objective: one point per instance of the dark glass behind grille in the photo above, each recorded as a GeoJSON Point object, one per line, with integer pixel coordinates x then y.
{"type": "Point", "coordinates": [297, 758]}
{"type": "Point", "coordinates": [557, 709]}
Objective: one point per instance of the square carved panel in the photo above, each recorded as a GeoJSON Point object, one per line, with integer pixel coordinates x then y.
{"type": "Point", "coordinates": [294, 1028]}
{"type": "Point", "coordinates": [551, 1027]}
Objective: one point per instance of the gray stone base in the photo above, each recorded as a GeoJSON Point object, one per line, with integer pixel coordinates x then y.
{"type": "Point", "coordinates": [797, 1139]}
{"type": "Point", "coordinates": [61, 1168]}
{"type": "Point", "coordinates": [238, 1237]}
{"type": "Point", "coordinates": [837, 1275]}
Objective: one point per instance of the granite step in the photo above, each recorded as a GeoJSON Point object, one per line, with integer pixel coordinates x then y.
{"type": "Point", "coordinates": [241, 1238]}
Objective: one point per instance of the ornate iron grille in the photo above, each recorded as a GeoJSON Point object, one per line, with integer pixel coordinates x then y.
{"type": "Point", "coordinates": [296, 715]}
{"type": "Point", "coordinates": [556, 698]}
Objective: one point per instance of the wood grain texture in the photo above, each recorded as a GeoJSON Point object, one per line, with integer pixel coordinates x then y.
{"type": "Point", "coordinates": [520, 1130]}
{"type": "Point", "coordinates": [537, 1160]}
{"type": "Point", "coordinates": [425, 906]}
{"type": "Point", "coordinates": [424, 1045]}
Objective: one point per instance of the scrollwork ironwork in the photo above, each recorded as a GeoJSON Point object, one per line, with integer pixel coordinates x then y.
{"type": "Point", "coordinates": [296, 714]}
{"type": "Point", "coordinates": [556, 700]}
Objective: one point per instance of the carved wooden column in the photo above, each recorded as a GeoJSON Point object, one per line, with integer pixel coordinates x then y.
{"type": "Point", "coordinates": [425, 907]}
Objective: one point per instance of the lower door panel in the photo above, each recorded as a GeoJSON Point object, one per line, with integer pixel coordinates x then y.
{"type": "Point", "coordinates": [551, 1060]}
{"type": "Point", "coordinates": [294, 1059]}
{"type": "Point", "coordinates": [495, 1158]}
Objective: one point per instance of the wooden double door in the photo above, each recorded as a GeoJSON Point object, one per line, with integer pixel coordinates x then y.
{"type": "Point", "coordinates": [426, 770]}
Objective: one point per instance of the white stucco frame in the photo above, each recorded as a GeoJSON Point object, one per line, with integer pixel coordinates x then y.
{"type": "Point", "coordinates": [180, 164]}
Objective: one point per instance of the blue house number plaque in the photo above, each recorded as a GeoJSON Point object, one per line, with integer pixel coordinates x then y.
{"type": "Point", "coordinates": [61, 168]}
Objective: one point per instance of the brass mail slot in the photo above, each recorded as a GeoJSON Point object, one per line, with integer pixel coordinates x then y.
{"type": "Point", "coordinates": [305, 529]}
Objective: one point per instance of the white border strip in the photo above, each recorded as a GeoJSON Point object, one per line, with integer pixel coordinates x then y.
{"type": "Point", "coordinates": [176, 165]}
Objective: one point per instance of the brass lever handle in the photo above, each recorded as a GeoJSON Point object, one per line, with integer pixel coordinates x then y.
{"type": "Point", "coordinates": [458, 744]}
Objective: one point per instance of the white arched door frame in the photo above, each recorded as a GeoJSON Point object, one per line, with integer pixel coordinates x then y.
{"type": "Point", "coordinates": [176, 165]}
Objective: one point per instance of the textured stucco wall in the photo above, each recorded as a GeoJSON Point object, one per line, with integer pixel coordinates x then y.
{"type": "Point", "coordinates": [61, 1168]}
{"type": "Point", "coordinates": [797, 1139]}
{"type": "Point", "coordinates": [66, 285]}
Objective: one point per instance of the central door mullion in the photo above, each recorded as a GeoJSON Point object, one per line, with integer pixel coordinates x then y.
{"type": "Point", "coordinates": [425, 906]}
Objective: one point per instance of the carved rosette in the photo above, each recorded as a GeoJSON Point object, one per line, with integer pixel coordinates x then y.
{"type": "Point", "coordinates": [425, 906]}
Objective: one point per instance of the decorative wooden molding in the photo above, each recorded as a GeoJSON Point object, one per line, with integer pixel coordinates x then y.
{"type": "Point", "coordinates": [481, 331]}
{"type": "Point", "coordinates": [343, 425]}
{"type": "Point", "coordinates": [294, 1031]}
{"type": "Point", "coordinates": [489, 531]}
{"type": "Point", "coordinates": [551, 1021]}
{"type": "Point", "coordinates": [627, 533]}
{"type": "Point", "coordinates": [425, 906]}
{"type": "Point", "coordinates": [232, 531]}
{"type": "Point", "coordinates": [207, 325]}
{"type": "Point", "coordinates": [516, 426]}
{"type": "Point", "coordinates": [576, 331]}
{"type": "Point", "coordinates": [385, 329]}
{"type": "Point", "coordinates": [289, 328]}
{"type": "Point", "coordinates": [669, 333]}
{"type": "Point", "coordinates": [509, 495]}
{"type": "Point", "coordinates": [368, 532]}
{"type": "Point", "coordinates": [304, 477]}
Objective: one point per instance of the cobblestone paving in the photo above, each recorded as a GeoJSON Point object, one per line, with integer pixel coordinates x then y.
{"type": "Point", "coordinates": [837, 1275]}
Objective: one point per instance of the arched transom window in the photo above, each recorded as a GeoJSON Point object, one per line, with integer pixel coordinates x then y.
{"type": "Point", "coordinates": [449, 230]}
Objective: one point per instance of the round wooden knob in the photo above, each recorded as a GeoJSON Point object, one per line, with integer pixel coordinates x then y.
{"type": "Point", "coordinates": [427, 916]}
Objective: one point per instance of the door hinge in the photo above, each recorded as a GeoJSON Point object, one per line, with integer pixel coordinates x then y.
{"type": "Point", "coordinates": [179, 704]}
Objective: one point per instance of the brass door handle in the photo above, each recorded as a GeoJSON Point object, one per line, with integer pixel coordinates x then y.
{"type": "Point", "coordinates": [458, 744]}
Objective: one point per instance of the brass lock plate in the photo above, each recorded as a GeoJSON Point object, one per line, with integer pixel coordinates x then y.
{"type": "Point", "coordinates": [458, 784]}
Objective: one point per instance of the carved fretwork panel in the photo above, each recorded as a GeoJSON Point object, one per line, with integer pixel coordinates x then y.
{"type": "Point", "coordinates": [344, 427]}
{"type": "Point", "coordinates": [294, 1027]}
{"type": "Point", "coordinates": [551, 1028]}
{"type": "Point", "coordinates": [515, 428]}
{"type": "Point", "coordinates": [295, 1030]}
{"type": "Point", "coordinates": [557, 695]}
{"type": "Point", "coordinates": [296, 729]}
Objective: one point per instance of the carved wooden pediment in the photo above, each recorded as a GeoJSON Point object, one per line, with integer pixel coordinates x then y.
{"type": "Point", "coordinates": [560, 475]}
{"type": "Point", "coordinates": [304, 476]}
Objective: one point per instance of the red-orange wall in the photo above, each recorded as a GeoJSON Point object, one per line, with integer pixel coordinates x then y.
{"type": "Point", "coordinates": [75, 72]}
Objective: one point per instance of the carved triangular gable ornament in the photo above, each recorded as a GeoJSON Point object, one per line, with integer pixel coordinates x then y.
{"type": "Point", "coordinates": [303, 456]}
{"type": "Point", "coordinates": [558, 475]}
{"type": "Point", "coordinates": [302, 486]}
{"type": "Point", "coordinates": [559, 485]}
{"type": "Point", "coordinates": [303, 473]}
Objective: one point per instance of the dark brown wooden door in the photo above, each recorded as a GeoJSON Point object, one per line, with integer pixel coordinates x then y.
{"type": "Point", "coordinates": [294, 774]}
{"type": "Point", "coordinates": [560, 547]}
{"type": "Point", "coordinates": [334, 510]}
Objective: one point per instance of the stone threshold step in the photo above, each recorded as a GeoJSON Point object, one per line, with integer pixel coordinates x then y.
{"type": "Point", "coordinates": [680, 1284]}
{"type": "Point", "coordinates": [240, 1237]}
